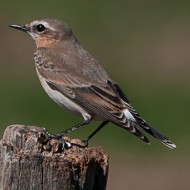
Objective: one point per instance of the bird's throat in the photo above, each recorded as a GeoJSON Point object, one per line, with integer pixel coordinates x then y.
{"type": "Point", "coordinates": [44, 42]}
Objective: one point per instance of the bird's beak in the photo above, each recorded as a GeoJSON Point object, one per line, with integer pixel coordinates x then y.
{"type": "Point", "coordinates": [24, 28]}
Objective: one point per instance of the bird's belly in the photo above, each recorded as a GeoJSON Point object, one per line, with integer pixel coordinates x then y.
{"type": "Point", "coordinates": [64, 102]}
{"type": "Point", "coordinates": [61, 100]}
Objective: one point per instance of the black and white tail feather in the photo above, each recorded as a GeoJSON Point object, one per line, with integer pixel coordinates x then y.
{"type": "Point", "coordinates": [136, 124]}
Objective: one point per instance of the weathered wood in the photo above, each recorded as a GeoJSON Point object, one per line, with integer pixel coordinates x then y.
{"type": "Point", "coordinates": [26, 164]}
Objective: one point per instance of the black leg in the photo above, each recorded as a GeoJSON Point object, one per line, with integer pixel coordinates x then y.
{"type": "Point", "coordinates": [94, 132]}
{"type": "Point", "coordinates": [59, 135]}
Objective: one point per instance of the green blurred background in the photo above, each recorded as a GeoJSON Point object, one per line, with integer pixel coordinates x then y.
{"type": "Point", "coordinates": [144, 45]}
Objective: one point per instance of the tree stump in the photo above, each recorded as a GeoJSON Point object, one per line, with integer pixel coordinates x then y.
{"type": "Point", "coordinates": [26, 164]}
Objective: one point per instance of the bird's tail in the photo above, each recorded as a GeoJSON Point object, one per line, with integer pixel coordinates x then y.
{"type": "Point", "coordinates": [160, 137]}
{"type": "Point", "coordinates": [130, 120]}
{"type": "Point", "coordinates": [135, 124]}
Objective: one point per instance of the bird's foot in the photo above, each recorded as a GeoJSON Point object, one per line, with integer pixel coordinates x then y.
{"type": "Point", "coordinates": [85, 142]}
{"type": "Point", "coordinates": [52, 136]}
{"type": "Point", "coordinates": [58, 136]}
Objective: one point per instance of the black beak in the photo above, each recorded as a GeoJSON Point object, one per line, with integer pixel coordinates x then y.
{"type": "Point", "coordinates": [24, 28]}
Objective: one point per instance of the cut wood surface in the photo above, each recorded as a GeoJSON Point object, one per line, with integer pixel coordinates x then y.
{"type": "Point", "coordinates": [27, 164]}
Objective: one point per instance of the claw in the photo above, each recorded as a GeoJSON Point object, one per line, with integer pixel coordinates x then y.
{"type": "Point", "coordinates": [64, 144]}
{"type": "Point", "coordinates": [85, 143]}
{"type": "Point", "coordinates": [67, 144]}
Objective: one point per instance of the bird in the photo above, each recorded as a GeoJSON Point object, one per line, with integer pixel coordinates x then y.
{"type": "Point", "coordinates": [78, 83]}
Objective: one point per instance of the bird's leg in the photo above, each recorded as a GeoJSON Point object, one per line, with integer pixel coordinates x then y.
{"type": "Point", "coordinates": [59, 135]}
{"type": "Point", "coordinates": [94, 132]}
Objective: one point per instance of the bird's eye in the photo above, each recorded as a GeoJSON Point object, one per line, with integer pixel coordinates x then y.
{"type": "Point", "coordinates": [40, 28]}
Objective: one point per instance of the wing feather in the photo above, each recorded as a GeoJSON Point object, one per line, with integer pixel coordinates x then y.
{"type": "Point", "coordinates": [87, 84]}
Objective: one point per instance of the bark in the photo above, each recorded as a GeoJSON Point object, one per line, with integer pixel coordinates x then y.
{"type": "Point", "coordinates": [27, 164]}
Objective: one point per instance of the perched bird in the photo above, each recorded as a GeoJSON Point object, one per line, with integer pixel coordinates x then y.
{"type": "Point", "coordinates": [76, 81]}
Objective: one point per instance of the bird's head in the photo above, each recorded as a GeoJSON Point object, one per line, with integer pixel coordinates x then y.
{"type": "Point", "coordinates": [46, 32]}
